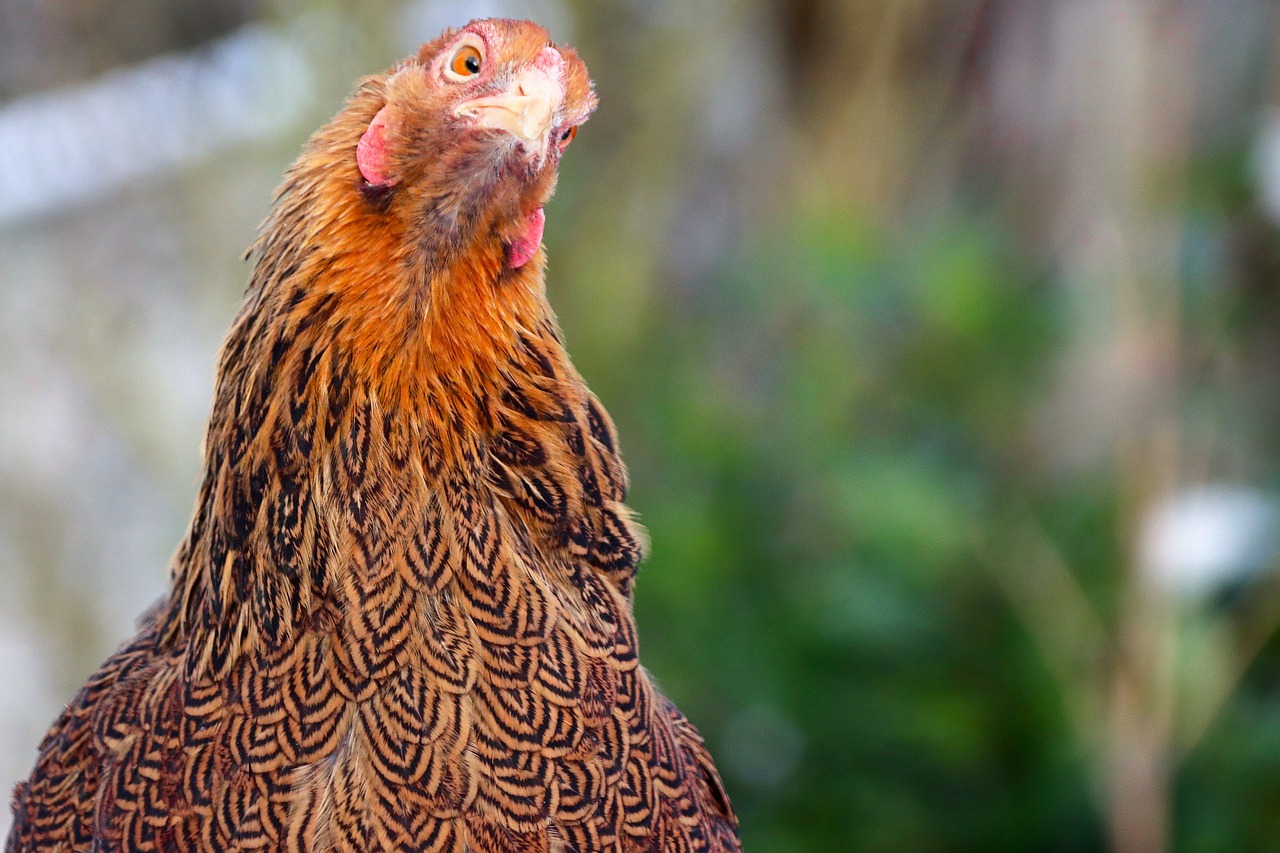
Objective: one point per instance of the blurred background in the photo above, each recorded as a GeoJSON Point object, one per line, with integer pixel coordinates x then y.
{"type": "Point", "coordinates": [943, 339]}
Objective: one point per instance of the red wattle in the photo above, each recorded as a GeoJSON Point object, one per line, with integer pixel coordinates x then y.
{"type": "Point", "coordinates": [526, 245]}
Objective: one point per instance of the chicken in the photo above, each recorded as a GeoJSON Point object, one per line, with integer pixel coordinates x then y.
{"type": "Point", "coordinates": [401, 616]}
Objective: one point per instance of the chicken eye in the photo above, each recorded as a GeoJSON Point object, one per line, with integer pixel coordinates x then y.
{"type": "Point", "coordinates": [466, 62]}
{"type": "Point", "coordinates": [567, 137]}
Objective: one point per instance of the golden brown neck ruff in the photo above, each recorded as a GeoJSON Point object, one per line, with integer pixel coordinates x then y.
{"type": "Point", "coordinates": [401, 369]}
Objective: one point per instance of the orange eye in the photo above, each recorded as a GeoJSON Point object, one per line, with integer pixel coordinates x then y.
{"type": "Point", "coordinates": [466, 62]}
{"type": "Point", "coordinates": [567, 137]}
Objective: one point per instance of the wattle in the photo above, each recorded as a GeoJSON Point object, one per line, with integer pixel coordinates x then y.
{"type": "Point", "coordinates": [526, 245]}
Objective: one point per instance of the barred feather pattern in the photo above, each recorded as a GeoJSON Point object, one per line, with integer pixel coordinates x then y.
{"type": "Point", "coordinates": [401, 617]}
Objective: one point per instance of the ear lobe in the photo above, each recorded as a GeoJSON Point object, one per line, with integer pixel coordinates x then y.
{"type": "Point", "coordinates": [371, 152]}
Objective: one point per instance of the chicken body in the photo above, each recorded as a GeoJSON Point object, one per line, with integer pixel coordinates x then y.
{"type": "Point", "coordinates": [401, 617]}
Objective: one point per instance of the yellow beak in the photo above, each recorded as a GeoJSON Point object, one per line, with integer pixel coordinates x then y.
{"type": "Point", "coordinates": [525, 110]}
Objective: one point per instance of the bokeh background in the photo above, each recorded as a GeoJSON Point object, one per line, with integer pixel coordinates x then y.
{"type": "Point", "coordinates": [943, 339]}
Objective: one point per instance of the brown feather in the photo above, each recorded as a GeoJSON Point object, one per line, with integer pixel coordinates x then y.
{"type": "Point", "coordinates": [401, 617]}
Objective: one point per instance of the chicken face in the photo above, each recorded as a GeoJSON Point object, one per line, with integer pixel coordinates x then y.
{"type": "Point", "coordinates": [470, 133]}
{"type": "Point", "coordinates": [536, 91]}
{"type": "Point", "coordinates": [472, 129]}
{"type": "Point", "coordinates": [529, 97]}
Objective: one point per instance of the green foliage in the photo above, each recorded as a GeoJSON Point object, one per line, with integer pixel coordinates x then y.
{"type": "Point", "coordinates": [819, 444]}
{"type": "Point", "coordinates": [834, 439]}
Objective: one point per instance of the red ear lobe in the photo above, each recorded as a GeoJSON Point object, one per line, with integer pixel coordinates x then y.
{"type": "Point", "coordinates": [371, 152]}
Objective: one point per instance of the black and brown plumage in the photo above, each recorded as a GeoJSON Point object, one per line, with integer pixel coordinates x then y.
{"type": "Point", "coordinates": [401, 617]}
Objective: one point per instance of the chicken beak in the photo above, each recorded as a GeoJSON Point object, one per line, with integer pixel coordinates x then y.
{"type": "Point", "coordinates": [525, 110]}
